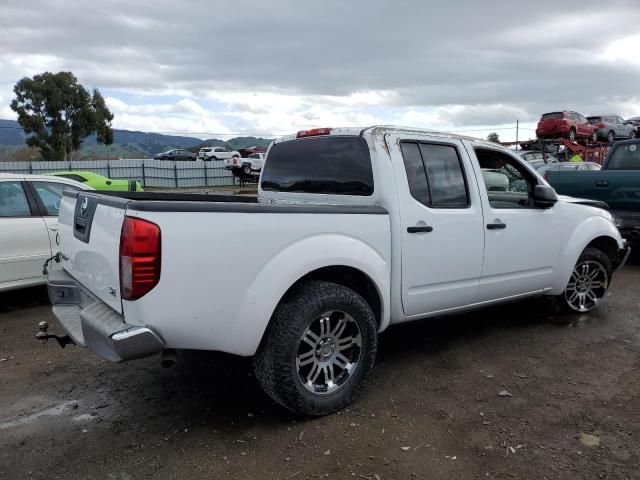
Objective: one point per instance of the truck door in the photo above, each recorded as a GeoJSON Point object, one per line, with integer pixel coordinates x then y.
{"type": "Point", "coordinates": [441, 223]}
{"type": "Point", "coordinates": [522, 242]}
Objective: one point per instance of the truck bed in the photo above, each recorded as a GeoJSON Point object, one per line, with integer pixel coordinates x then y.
{"type": "Point", "coordinates": [222, 258]}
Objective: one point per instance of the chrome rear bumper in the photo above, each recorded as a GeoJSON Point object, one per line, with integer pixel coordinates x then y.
{"type": "Point", "coordinates": [93, 324]}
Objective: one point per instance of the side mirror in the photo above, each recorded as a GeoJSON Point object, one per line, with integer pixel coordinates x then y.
{"type": "Point", "coordinates": [544, 196]}
{"type": "Point", "coordinates": [108, 182]}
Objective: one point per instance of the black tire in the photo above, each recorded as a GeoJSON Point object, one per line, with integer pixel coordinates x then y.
{"type": "Point", "coordinates": [611, 136]}
{"type": "Point", "coordinates": [246, 169]}
{"type": "Point", "coordinates": [633, 134]}
{"type": "Point", "coordinates": [213, 157]}
{"type": "Point", "coordinates": [594, 136]}
{"type": "Point", "coordinates": [276, 362]}
{"type": "Point", "coordinates": [572, 135]}
{"type": "Point", "coordinates": [594, 258]}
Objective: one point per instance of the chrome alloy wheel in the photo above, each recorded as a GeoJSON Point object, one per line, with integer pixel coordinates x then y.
{"type": "Point", "coordinates": [588, 284]}
{"type": "Point", "coordinates": [329, 352]}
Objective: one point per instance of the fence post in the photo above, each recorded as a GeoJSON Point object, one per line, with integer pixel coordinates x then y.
{"type": "Point", "coordinates": [30, 167]}
{"type": "Point", "coordinates": [206, 180]}
{"type": "Point", "coordinates": [108, 168]}
{"type": "Point", "coordinates": [175, 172]}
{"type": "Point", "coordinates": [144, 178]}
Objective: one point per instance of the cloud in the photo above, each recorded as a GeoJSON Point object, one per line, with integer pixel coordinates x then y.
{"type": "Point", "coordinates": [281, 65]}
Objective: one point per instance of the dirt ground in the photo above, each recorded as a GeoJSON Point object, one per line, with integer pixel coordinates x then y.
{"type": "Point", "coordinates": [569, 407]}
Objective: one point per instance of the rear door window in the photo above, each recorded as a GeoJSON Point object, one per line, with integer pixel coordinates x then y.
{"type": "Point", "coordinates": [332, 165]}
{"type": "Point", "coordinates": [13, 200]}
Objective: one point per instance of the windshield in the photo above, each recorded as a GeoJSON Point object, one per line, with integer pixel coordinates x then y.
{"type": "Point", "coordinates": [625, 157]}
{"type": "Point", "coordinates": [327, 164]}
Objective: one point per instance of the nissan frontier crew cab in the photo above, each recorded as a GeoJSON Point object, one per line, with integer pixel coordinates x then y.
{"type": "Point", "coordinates": [358, 229]}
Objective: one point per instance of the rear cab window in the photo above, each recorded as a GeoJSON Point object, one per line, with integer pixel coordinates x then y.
{"type": "Point", "coordinates": [552, 115]}
{"type": "Point", "coordinates": [624, 157]}
{"type": "Point", "coordinates": [330, 165]}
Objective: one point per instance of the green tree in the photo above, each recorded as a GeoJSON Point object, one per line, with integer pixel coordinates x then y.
{"type": "Point", "coordinates": [57, 114]}
{"type": "Point", "coordinates": [493, 137]}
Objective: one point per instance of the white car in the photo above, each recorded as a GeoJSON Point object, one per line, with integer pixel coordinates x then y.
{"type": "Point", "coordinates": [217, 153]}
{"type": "Point", "coordinates": [358, 228]}
{"type": "Point", "coordinates": [28, 226]}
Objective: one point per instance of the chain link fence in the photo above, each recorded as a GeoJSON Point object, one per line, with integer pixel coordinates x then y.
{"type": "Point", "coordinates": [150, 173]}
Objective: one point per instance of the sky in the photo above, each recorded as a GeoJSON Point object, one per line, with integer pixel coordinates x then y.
{"type": "Point", "coordinates": [220, 69]}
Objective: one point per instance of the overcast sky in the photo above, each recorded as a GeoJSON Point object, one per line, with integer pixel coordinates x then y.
{"type": "Point", "coordinates": [210, 68]}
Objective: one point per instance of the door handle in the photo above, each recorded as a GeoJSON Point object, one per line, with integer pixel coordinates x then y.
{"type": "Point", "coordinates": [54, 227]}
{"type": "Point", "coordinates": [496, 226]}
{"type": "Point", "coordinates": [602, 183]}
{"type": "Point", "coordinates": [420, 229]}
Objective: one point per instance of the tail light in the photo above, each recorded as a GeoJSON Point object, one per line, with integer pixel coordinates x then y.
{"type": "Point", "coordinates": [139, 257]}
{"type": "Point", "coordinates": [601, 125]}
{"type": "Point", "coordinates": [313, 132]}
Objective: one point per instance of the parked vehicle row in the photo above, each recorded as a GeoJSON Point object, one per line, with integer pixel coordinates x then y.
{"type": "Point", "coordinates": [377, 226]}
{"type": "Point", "coordinates": [574, 126]}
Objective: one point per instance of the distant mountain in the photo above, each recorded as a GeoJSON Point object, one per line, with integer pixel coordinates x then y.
{"type": "Point", "coordinates": [127, 143]}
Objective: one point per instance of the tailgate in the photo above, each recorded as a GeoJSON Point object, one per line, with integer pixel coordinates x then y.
{"type": "Point", "coordinates": [89, 228]}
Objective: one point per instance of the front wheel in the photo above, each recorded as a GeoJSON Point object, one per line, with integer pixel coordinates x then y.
{"type": "Point", "coordinates": [594, 137]}
{"type": "Point", "coordinates": [588, 283]}
{"type": "Point", "coordinates": [572, 135]}
{"type": "Point", "coordinates": [318, 350]}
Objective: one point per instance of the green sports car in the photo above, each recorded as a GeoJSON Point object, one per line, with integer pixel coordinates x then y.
{"type": "Point", "coordinates": [101, 183]}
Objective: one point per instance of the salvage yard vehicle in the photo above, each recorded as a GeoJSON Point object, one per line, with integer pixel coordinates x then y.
{"type": "Point", "coordinates": [217, 153]}
{"type": "Point", "coordinates": [252, 165]}
{"type": "Point", "coordinates": [99, 182]}
{"type": "Point", "coordinates": [175, 154]}
{"type": "Point", "coordinates": [28, 226]}
{"type": "Point", "coordinates": [612, 127]}
{"type": "Point", "coordinates": [359, 229]}
{"type": "Point", "coordinates": [569, 124]}
{"type": "Point", "coordinates": [617, 184]}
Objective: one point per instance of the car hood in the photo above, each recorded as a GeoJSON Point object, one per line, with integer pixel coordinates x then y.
{"type": "Point", "coordinates": [584, 201]}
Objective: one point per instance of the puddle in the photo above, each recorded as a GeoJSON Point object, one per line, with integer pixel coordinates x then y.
{"type": "Point", "coordinates": [50, 412]}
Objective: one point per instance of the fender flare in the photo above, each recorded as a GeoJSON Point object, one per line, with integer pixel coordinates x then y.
{"type": "Point", "coordinates": [297, 260]}
{"type": "Point", "coordinates": [586, 232]}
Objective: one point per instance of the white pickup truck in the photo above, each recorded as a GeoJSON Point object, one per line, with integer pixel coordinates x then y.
{"type": "Point", "coordinates": [359, 229]}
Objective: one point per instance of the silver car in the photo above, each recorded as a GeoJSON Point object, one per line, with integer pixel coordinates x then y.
{"type": "Point", "coordinates": [612, 127]}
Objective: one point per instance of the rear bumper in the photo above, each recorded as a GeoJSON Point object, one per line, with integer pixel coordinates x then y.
{"type": "Point", "coordinates": [93, 324]}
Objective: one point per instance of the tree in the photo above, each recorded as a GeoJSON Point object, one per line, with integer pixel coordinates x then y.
{"type": "Point", "coordinates": [493, 137]}
{"type": "Point", "coordinates": [57, 114]}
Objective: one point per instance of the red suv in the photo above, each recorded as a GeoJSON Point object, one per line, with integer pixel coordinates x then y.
{"type": "Point", "coordinates": [565, 124]}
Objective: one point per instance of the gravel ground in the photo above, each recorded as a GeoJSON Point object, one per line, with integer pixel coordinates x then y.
{"type": "Point", "coordinates": [509, 392]}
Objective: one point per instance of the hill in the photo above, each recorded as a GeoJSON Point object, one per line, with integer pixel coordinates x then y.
{"type": "Point", "coordinates": [126, 143]}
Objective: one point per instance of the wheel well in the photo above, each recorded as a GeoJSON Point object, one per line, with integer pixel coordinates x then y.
{"type": "Point", "coordinates": [609, 247]}
{"type": "Point", "coordinates": [351, 278]}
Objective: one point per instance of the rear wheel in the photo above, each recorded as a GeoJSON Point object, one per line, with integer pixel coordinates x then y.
{"type": "Point", "coordinates": [594, 136]}
{"type": "Point", "coordinates": [318, 350]}
{"type": "Point", "coordinates": [247, 169]}
{"type": "Point", "coordinates": [611, 136]}
{"type": "Point", "coordinates": [572, 135]}
{"type": "Point", "coordinates": [588, 283]}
